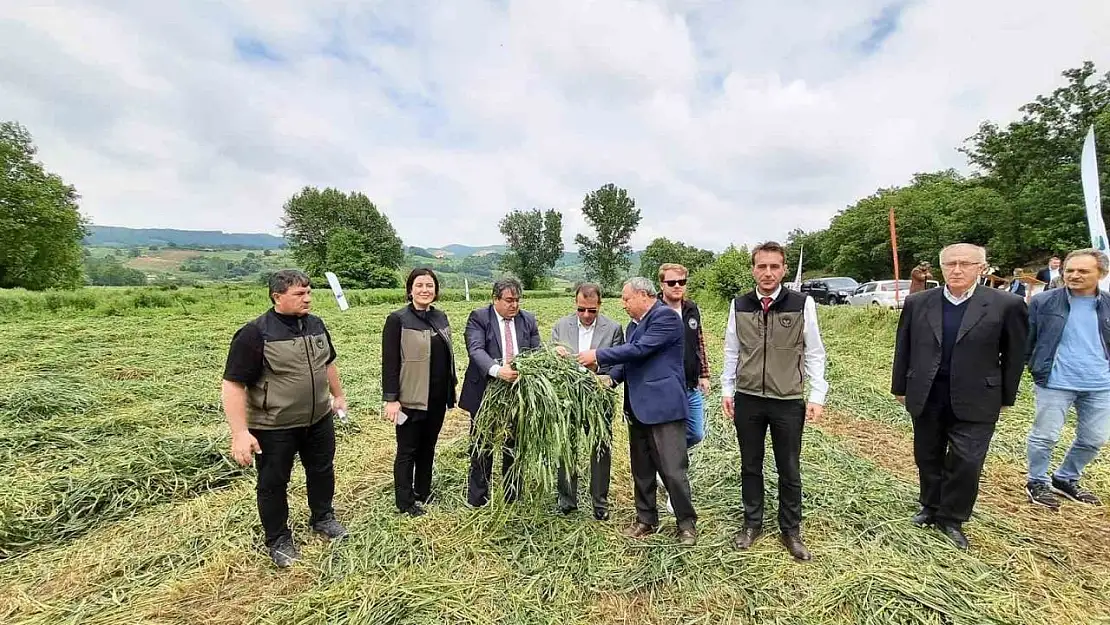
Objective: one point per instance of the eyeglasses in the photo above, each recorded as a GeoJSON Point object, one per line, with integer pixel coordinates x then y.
{"type": "Point", "coordinates": [583, 309]}
{"type": "Point", "coordinates": [962, 264]}
{"type": "Point", "coordinates": [511, 300]}
{"type": "Point", "coordinates": [681, 282]}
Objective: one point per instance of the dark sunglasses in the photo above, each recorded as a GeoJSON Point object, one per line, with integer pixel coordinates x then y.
{"type": "Point", "coordinates": [681, 282]}
{"type": "Point", "coordinates": [583, 309]}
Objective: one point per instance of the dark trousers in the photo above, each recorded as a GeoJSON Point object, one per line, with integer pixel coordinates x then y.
{"type": "Point", "coordinates": [481, 468]}
{"type": "Point", "coordinates": [949, 454]}
{"type": "Point", "coordinates": [416, 450]}
{"type": "Point", "coordinates": [601, 461]}
{"type": "Point", "coordinates": [315, 445]}
{"type": "Point", "coordinates": [660, 449]}
{"type": "Point", "coordinates": [786, 420]}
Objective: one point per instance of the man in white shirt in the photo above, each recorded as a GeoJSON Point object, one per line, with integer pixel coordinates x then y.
{"type": "Point", "coordinates": [771, 339]}
{"type": "Point", "coordinates": [584, 329]}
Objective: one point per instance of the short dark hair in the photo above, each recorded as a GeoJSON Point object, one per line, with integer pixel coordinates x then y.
{"type": "Point", "coordinates": [771, 247]}
{"type": "Point", "coordinates": [416, 273]}
{"type": "Point", "coordinates": [510, 284]}
{"type": "Point", "coordinates": [280, 281]}
{"type": "Point", "coordinates": [588, 290]}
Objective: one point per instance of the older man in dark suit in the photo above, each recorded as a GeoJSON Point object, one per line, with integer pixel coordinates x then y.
{"type": "Point", "coordinates": [958, 360]}
{"type": "Point", "coordinates": [494, 335]}
{"type": "Point", "coordinates": [587, 328]}
{"type": "Point", "coordinates": [650, 364]}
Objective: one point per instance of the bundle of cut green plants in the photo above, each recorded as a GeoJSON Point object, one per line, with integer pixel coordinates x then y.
{"type": "Point", "coordinates": [547, 411]}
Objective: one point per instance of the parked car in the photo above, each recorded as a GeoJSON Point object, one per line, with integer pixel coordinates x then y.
{"type": "Point", "coordinates": [833, 290]}
{"type": "Point", "coordinates": [880, 293]}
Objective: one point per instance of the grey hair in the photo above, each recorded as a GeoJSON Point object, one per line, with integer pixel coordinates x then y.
{"type": "Point", "coordinates": [641, 284]}
{"type": "Point", "coordinates": [507, 284]}
{"type": "Point", "coordinates": [980, 251]}
{"type": "Point", "coordinates": [280, 281]}
{"type": "Point", "coordinates": [1103, 261]}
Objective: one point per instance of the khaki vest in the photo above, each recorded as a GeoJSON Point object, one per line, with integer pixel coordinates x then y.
{"type": "Point", "coordinates": [772, 346]}
{"type": "Point", "coordinates": [293, 390]}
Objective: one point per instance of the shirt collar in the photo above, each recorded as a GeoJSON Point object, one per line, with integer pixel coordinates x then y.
{"type": "Point", "coordinates": [501, 320]}
{"type": "Point", "coordinates": [774, 294]}
{"type": "Point", "coordinates": [959, 300]}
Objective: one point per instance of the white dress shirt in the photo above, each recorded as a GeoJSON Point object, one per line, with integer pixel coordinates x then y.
{"type": "Point", "coordinates": [501, 333]}
{"type": "Point", "coordinates": [586, 335]}
{"type": "Point", "coordinates": [956, 301]}
{"type": "Point", "coordinates": [1053, 274]}
{"type": "Point", "coordinates": [814, 352]}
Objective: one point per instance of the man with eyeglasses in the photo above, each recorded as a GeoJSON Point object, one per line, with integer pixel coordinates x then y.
{"type": "Point", "coordinates": [958, 359]}
{"type": "Point", "coordinates": [586, 329]}
{"type": "Point", "coordinates": [494, 335]}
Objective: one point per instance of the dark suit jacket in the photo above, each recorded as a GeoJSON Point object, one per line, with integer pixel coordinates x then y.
{"type": "Point", "coordinates": [1044, 276]}
{"type": "Point", "coordinates": [1020, 286]}
{"type": "Point", "coordinates": [650, 363]}
{"type": "Point", "coordinates": [483, 345]}
{"type": "Point", "coordinates": [987, 359]}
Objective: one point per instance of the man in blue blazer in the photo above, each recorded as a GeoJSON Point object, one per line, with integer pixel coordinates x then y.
{"type": "Point", "coordinates": [650, 364]}
{"type": "Point", "coordinates": [494, 335]}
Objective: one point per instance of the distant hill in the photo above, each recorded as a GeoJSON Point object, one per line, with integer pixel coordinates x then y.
{"type": "Point", "coordinates": [456, 250]}
{"type": "Point", "coordinates": [113, 236]}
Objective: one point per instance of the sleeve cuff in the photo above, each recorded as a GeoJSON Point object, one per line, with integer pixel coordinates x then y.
{"type": "Point", "coordinates": [727, 390]}
{"type": "Point", "coordinates": [817, 397]}
{"type": "Point", "coordinates": [391, 396]}
{"type": "Point", "coordinates": [493, 370]}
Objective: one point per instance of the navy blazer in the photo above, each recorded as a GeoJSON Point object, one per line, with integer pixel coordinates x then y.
{"type": "Point", "coordinates": [483, 345]}
{"type": "Point", "coordinates": [651, 366]}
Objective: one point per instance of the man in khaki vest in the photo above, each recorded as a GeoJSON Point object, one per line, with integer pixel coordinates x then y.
{"type": "Point", "coordinates": [280, 390]}
{"type": "Point", "coordinates": [772, 346]}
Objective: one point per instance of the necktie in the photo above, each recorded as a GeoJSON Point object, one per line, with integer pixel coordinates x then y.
{"type": "Point", "coordinates": [510, 350]}
{"type": "Point", "coordinates": [766, 304]}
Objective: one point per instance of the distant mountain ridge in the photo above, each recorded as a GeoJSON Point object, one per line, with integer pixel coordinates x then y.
{"type": "Point", "coordinates": [115, 236]}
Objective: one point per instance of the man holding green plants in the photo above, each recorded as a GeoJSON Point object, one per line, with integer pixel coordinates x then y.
{"type": "Point", "coordinates": [279, 374]}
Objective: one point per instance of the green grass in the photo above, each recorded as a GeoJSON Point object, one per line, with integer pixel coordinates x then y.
{"type": "Point", "coordinates": [117, 504]}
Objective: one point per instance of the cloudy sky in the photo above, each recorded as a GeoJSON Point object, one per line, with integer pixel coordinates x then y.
{"type": "Point", "coordinates": [728, 121]}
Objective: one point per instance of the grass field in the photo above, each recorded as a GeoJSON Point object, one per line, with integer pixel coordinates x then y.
{"type": "Point", "coordinates": [118, 505]}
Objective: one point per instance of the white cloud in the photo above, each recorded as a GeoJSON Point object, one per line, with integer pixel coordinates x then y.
{"type": "Point", "coordinates": [727, 121]}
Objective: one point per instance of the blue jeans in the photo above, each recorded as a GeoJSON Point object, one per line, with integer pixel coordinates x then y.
{"type": "Point", "coordinates": [1091, 432]}
{"type": "Point", "coordinates": [695, 418]}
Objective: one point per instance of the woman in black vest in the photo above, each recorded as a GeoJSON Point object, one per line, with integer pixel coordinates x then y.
{"type": "Point", "coordinates": [418, 386]}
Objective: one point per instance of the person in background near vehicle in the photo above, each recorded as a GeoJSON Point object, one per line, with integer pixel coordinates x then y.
{"type": "Point", "coordinates": [494, 335]}
{"type": "Point", "coordinates": [418, 381]}
{"type": "Point", "coordinates": [672, 292]}
{"type": "Point", "coordinates": [1069, 359]}
{"type": "Point", "coordinates": [1050, 273]}
{"type": "Point", "coordinates": [1016, 286]}
{"type": "Point", "coordinates": [587, 329]}
{"type": "Point", "coordinates": [958, 357]}
{"type": "Point", "coordinates": [919, 275]}
{"type": "Point", "coordinates": [772, 346]}
{"type": "Point", "coordinates": [279, 372]}
{"type": "Point", "coordinates": [650, 365]}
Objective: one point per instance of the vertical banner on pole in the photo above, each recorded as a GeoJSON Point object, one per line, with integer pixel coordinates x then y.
{"type": "Point", "coordinates": [337, 290]}
{"type": "Point", "coordinates": [798, 276]}
{"type": "Point", "coordinates": [466, 288]}
{"type": "Point", "coordinates": [894, 250]}
{"type": "Point", "coordinates": [1093, 199]}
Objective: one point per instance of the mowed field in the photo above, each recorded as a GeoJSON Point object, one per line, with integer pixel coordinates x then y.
{"type": "Point", "coordinates": [118, 503]}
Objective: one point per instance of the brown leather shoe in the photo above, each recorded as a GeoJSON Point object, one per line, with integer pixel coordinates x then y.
{"type": "Point", "coordinates": [639, 530]}
{"type": "Point", "coordinates": [688, 537]}
{"type": "Point", "coordinates": [746, 537]}
{"type": "Point", "coordinates": [793, 543]}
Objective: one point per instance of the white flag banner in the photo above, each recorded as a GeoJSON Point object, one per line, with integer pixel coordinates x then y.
{"type": "Point", "coordinates": [466, 288]}
{"type": "Point", "coordinates": [798, 276]}
{"type": "Point", "coordinates": [333, 281]}
{"type": "Point", "coordinates": [1091, 196]}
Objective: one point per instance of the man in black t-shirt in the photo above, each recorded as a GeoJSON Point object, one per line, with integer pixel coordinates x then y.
{"type": "Point", "coordinates": [280, 389]}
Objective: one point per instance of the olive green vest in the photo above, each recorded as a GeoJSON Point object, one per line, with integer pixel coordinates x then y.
{"type": "Point", "coordinates": [293, 390]}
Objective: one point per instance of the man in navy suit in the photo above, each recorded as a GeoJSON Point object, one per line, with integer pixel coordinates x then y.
{"type": "Point", "coordinates": [494, 335]}
{"type": "Point", "coordinates": [650, 364]}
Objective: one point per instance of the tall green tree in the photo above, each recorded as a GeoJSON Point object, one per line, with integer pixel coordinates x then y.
{"type": "Point", "coordinates": [350, 259]}
{"type": "Point", "coordinates": [614, 218]}
{"type": "Point", "coordinates": [535, 242]}
{"type": "Point", "coordinates": [663, 250]}
{"type": "Point", "coordinates": [313, 216]}
{"type": "Point", "coordinates": [41, 226]}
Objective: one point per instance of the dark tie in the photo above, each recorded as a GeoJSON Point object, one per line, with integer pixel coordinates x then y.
{"type": "Point", "coordinates": [766, 304]}
{"type": "Point", "coordinates": [509, 349]}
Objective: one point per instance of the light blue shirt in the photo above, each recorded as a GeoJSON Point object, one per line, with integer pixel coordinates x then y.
{"type": "Point", "coordinates": [1081, 363]}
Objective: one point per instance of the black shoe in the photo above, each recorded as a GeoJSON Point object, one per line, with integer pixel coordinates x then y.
{"type": "Point", "coordinates": [923, 518]}
{"type": "Point", "coordinates": [413, 511]}
{"type": "Point", "coordinates": [1041, 494]}
{"type": "Point", "coordinates": [1072, 491]}
{"type": "Point", "coordinates": [284, 552]}
{"type": "Point", "coordinates": [601, 515]}
{"type": "Point", "coordinates": [793, 543]}
{"type": "Point", "coordinates": [330, 527]}
{"type": "Point", "coordinates": [955, 533]}
{"type": "Point", "coordinates": [746, 537]}
{"type": "Point", "coordinates": [687, 537]}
